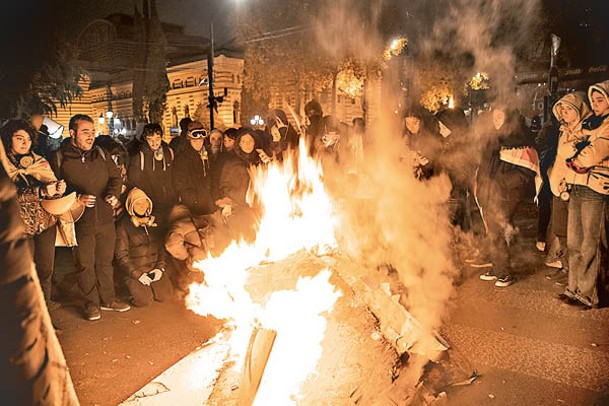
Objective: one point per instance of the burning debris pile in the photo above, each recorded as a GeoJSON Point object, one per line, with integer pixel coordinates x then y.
{"type": "Point", "coordinates": [305, 323]}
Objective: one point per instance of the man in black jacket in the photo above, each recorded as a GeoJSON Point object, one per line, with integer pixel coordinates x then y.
{"type": "Point", "coordinates": [96, 178]}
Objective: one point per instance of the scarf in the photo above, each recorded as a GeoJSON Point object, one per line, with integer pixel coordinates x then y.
{"type": "Point", "coordinates": [39, 168]}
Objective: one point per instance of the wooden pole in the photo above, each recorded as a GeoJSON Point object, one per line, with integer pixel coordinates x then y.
{"type": "Point", "coordinates": [256, 358]}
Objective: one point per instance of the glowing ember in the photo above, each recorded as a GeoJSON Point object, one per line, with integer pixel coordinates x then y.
{"type": "Point", "coordinates": [297, 215]}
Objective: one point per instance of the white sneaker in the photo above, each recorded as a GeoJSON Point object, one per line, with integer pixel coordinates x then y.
{"type": "Point", "coordinates": [556, 264]}
{"type": "Point", "coordinates": [541, 246]}
{"type": "Point", "coordinates": [488, 276]}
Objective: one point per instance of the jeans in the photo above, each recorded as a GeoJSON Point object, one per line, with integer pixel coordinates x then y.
{"type": "Point", "coordinates": [584, 228]}
{"type": "Point", "coordinates": [557, 249]}
{"type": "Point", "coordinates": [94, 256]}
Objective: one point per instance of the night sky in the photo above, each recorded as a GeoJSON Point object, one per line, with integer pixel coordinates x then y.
{"type": "Point", "coordinates": [70, 16]}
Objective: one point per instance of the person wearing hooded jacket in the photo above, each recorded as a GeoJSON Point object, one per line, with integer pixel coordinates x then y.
{"type": "Point", "coordinates": [589, 176]}
{"type": "Point", "coordinates": [456, 160]}
{"type": "Point", "coordinates": [234, 182]}
{"type": "Point", "coordinates": [35, 183]}
{"type": "Point", "coordinates": [504, 179]}
{"type": "Point", "coordinates": [95, 177]}
{"type": "Point", "coordinates": [192, 178]}
{"type": "Point", "coordinates": [151, 170]}
{"type": "Point", "coordinates": [139, 252]}
{"type": "Point", "coordinates": [422, 142]}
{"type": "Point", "coordinates": [279, 134]}
{"type": "Point", "coordinates": [571, 111]}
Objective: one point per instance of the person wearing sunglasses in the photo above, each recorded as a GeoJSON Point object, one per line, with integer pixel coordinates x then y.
{"type": "Point", "coordinates": [192, 172]}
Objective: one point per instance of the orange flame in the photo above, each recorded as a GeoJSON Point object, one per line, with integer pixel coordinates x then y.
{"type": "Point", "coordinates": [297, 215]}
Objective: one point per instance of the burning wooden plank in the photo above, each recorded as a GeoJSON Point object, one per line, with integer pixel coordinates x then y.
{"type": "Point", "coordinates": [256, 358]}
{"type": "Point", "coordinates": [398, 326]}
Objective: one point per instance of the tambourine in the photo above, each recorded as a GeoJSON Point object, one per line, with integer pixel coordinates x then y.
{"type": "Point", "coordinates": [26, 161]}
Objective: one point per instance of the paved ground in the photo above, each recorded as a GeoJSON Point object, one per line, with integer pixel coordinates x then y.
{"type": "Point", "coordinates": [529, 348]}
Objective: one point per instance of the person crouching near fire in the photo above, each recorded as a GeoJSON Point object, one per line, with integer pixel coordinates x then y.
{"type": "Point", "coordinates": [193, 238]}
{"type": "Point", "coordinates": [139, 252]}
{"type": "Point", "coordinates": [588, 202]}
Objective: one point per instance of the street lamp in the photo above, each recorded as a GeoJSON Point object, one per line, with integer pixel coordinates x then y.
{"type": "Point", "coordinates": [257, 121]}
{"type": "Point", "coordinates": [109, 115]}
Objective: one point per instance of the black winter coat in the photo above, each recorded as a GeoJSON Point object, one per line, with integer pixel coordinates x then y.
{"type": "Point", "coordinates": [90, 172]}
{"type": "Point", "coordinates": [138, 249]}
{"type": "Point", "coordinates": [499, 181]}
{"type": "Point", "coordinates": [192, 182]}
{"type": "Point", "coordinates": [154, 177]}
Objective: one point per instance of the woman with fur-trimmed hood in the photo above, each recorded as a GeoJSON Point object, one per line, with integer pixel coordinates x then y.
{"type": "Point", "coordinates": [571, 111]}
{"type": "Point", "coordinates": [589, 173]}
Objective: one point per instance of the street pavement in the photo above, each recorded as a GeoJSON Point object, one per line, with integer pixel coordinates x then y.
{"type": "Point", "coordinates": [528, 347]}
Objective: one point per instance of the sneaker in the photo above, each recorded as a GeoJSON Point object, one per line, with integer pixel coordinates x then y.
{"type": "Point", "coordinates": [489, 276]}
{"type": "Point", "coordinates": [480, 263]}
{"type": "Point", "coordinates": [555, 264]}
{"type": "Point", "coordinates": [116, 306]}
{"type": "Point", "coordinates": [91, 312]}
{"type": "Point", "coordinates": [504, 282]}
{"type": "Point", "coordinates": [541, 246]}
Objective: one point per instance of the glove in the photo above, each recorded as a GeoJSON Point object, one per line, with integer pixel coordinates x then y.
{"type": "Point", "coordinates": [158, 274]}
{"type": "Point", "coordinates": [263, 156]}
{"type": "Point", "coordinates": [112, 201]}
{"type": "Point", "coordinates": [145, 279]}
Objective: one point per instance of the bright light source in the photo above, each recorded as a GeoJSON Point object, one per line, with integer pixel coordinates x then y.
{"type": "Point", "coordinates": [257, 120]}
{"type": "Point", "coordinates": [101, 119]}
{"type": "Point", "coordinates": [109, 114]}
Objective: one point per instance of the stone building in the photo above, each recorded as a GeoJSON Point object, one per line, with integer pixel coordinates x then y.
{"type": "Point", "coordinates": [106, 51]}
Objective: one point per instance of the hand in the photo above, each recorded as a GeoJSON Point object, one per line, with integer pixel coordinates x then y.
{"type": "Point", "coordinates": [145, 279]}
{"type": "Point", "coordinates": [225, 201]}
{"type": "Point", "coordinates": [158, 274]}
{"type": "Point", "coordinates": [61, 187]}
{"type": "Point", "coordinates": [423, 160]}
{"type": "Point", "coordinates": [263, 156]}
{"type": "Point", "coordinates": [87, 200]}
{"type": "Point", "coordinates": [111, 200]}
{"type": "Point", "coordinates": [227, 211]}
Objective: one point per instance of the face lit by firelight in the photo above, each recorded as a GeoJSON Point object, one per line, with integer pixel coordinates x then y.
{"type": "Point", "coordinates": [498, 118]}
{"type": "Point", "coordinates": [599, 103]}
{"type": "Point", "coordinates": [413, 124]}
{"type": "Point", "coordinates": [21, 142]}
{"type": "Point", "coordinates": [569, 114]}
{"type": "Point", "coordinates": [154, 141]}
{"type": "Point", "coordinates": [84, 135]}
{"type": "Point", "coordinates": [247, 143]}
{"type": "Point", "coordinates": [229, 143]}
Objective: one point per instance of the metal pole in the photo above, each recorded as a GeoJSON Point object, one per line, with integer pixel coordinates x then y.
{"type": "Point", "coordinates": [210, 75]}
{"type": "Point", "coordinates": [110, 119]}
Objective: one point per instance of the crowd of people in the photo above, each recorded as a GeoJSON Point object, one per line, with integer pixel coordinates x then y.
{"type": "Point", "coordinates": [146, 210]}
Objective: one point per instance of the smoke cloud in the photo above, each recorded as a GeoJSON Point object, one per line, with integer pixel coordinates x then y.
{"type": "Point", "coordinates": [389, 217]}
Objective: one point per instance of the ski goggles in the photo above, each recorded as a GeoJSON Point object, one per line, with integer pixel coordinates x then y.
{"type": "Point", "coordinates": [197, 133]}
